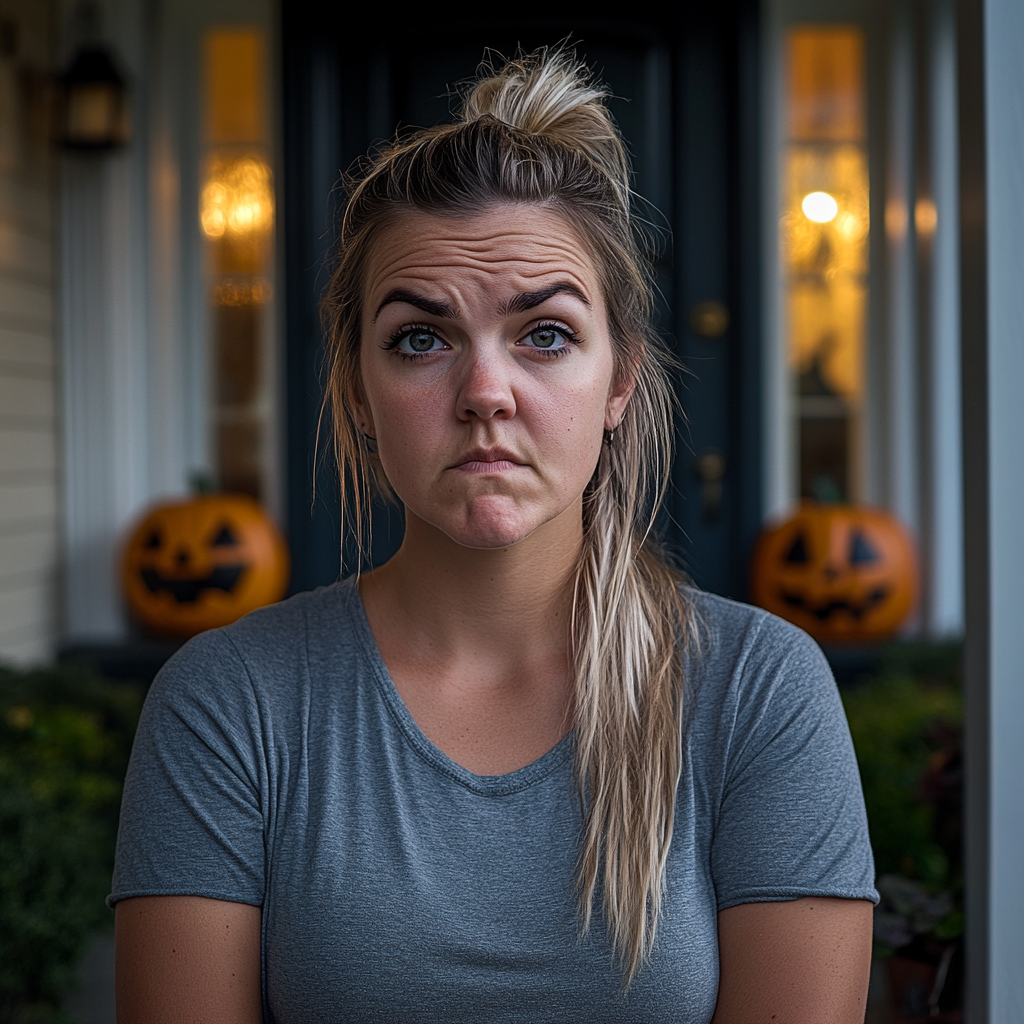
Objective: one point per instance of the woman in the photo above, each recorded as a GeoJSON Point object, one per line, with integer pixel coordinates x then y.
{"type": "Point", "coordinates": [518, 772]}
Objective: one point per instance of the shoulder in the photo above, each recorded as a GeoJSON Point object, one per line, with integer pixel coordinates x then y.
{"type": "Point", "coordinates": [746, 667]}
{"type": "Point", "coordinates": [769, 751]}
{"type": "Point", "coordinates": [732, 637]}
{"type": "Point", "coordinates": [266, 651]}
{"type": "Point", "coordinates": [308, 617]}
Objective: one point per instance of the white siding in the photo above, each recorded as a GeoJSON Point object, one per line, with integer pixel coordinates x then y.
{"type": "Point", "coordinates": [28, 419]}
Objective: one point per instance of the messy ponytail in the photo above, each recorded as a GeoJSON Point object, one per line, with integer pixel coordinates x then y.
{"type": "Point", "coordinates": [537, 131]}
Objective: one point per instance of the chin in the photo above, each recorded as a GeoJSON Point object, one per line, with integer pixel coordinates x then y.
{"type": "Point", "coordinates": [492, 522]}
{"type": "Point", "coordinates": [491, 525]}
{"type": "Point", "coordinates": [488, 536]}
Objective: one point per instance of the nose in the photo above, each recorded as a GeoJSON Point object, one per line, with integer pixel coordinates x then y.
{"type": "Point", "coordinates": [486, 388]}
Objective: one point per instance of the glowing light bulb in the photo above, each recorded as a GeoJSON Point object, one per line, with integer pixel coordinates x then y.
{"type": "Point", "coordinates": [819, 207]}
{"type": "Point", "coordinates": [238, 198]}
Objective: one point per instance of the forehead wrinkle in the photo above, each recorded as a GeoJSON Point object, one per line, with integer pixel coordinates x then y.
{"type": "Point", "coordinates": [528, 252]}
{"type": "Point", "coordinates": [487, 236]}
{"type": "Point", "coordinates": [524, 293]}
{"type": "Point", "coordinates": [568, 245]}
{"type": "Point", "coordinates": [446, 252]}
{"type": "Point", "coordinates": [481, 244]}
{"type": "Point", "coordinates": [427, 276]}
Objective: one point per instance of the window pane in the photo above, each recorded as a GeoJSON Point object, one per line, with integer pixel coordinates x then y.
{"type": "Point", "coordinates": [237, 218]}
{"type": "Point", "coordinates": [824, 235]}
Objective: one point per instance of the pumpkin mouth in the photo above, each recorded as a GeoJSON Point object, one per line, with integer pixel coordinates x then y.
{"type": "Point", "coordinates": [824, 610]}
{"type": "Point", "coordinates": [186, 591]}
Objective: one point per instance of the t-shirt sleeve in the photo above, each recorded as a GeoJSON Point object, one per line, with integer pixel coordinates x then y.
{"type": "Point", "coordinates": [192, 822]}
{"type": "Point", "coordinates": [791, 819]}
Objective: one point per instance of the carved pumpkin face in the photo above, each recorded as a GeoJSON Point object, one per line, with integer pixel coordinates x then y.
{"type": "Point", "coordinates": [194, 565]}
{"type": "Point", "coordinates": [843, 573]}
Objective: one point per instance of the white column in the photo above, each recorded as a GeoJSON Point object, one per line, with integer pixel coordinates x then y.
{"type": "Point", "coordinates": [104, 387]}
{"type": "Point", "coordinates": [125, 424]}
{"type": "Point", "coordinates": [1004, 150]}
{"type": "Point", "coordinates": [943, 544]}
{"type": "Point", "coordinates": [176, 422]}
{"type": "Point", "coordinates": [901, 444]}
{"type": "Point", "coordinates": [778, 448]}
{"type": "Point", "coordinates": [991, 35]}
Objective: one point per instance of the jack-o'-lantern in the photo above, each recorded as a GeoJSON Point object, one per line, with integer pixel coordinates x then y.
{"type": "Point", "coordinates": [194, 565]}
{"type": "Point", "coordinates": [844, 573]}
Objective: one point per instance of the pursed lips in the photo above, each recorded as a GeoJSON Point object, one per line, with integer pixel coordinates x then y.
{"type": "Point", "coordinates": [491, 460]}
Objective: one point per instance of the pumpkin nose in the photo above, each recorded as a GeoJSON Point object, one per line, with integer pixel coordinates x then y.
{"type": "Point", "coordinates": [182, 557]}
{"type": "Point", "coordinates": [831, 573]}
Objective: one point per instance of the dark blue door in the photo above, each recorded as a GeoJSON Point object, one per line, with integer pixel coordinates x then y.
{"type": "Point", "coordinates": [685, 87]}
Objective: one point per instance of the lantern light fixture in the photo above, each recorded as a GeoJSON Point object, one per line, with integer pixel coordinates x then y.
{"type": "Point", "coordinates": [96, 116]}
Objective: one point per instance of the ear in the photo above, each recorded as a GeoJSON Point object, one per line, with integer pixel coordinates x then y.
{"type": "Point", "coordinates": [618, 399]}
{"type": "Point", "coordinates": [360, 410]}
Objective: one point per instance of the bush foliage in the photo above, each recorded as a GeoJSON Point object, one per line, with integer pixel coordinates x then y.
{"type": "Point", "coordinates": [65, 738]}
{"type": "Point", "coordinates": [906, 726]}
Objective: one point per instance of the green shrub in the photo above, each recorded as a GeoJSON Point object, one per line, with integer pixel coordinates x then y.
{"type": "Point", "coordinates": [906, 727]}
{"type": "Point", "coordinates": [65, 737]}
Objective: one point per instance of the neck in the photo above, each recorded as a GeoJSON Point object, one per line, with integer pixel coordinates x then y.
{"type": "Point", "coordinates": [444, 599]}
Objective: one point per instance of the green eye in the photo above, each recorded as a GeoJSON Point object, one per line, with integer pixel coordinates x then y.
{"type": "Point", "coordinates": [544, 337]}
{"type": "Point", "coordinates": [410, 342]}
{"type": "Point", "coordinates": [421, 341]}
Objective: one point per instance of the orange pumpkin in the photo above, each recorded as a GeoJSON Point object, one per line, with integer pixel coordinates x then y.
{"type": "Point", "coordinates": [194, 565]}
{"type": "Point", "coordinates": [844, 573]}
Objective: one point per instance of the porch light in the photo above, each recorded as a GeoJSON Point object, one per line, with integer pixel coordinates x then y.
{"type": "Point", "coordinates": [238, 198]}
{"type": "Point", "coordinates": [819, 207]}
{"type": "Point", "coordinates": [95, 114]}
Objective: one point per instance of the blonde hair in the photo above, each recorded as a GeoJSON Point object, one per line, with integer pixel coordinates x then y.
{"type": "Point", "coordinates": [537, 131]}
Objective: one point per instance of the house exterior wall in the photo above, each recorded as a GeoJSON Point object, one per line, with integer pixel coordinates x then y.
{"type": "Point", "coordinates": [28, 370]}
{"type": "Point", "coordinates": [136, 387]}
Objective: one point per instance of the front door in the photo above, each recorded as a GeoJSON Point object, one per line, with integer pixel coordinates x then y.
{"type": "Point", "coordinates": [685, 97]}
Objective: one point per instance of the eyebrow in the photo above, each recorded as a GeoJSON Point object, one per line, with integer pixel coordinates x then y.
{"type": "Point", "coordinates": [528, 300]}
{"type": "Point", "coordinates": [431, 306]}
{"type": "Point", "coordinates": [517, 304]}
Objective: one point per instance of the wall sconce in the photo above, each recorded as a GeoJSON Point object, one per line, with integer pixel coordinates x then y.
{"type": "Point", "coordinates": [95, 115]}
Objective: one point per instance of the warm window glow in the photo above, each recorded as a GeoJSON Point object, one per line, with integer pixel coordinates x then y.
{"type": "Point", "coordinates": [824, 236]}
{"type": "Point", "coordinates": [235, 105]}
{"type": "Point", "coordinates": [236, 214]}
{"type": "Point", "coordinates": [826, 83]}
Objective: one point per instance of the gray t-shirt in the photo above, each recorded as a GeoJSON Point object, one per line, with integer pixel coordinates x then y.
{"type": "Point", "coordinates": [276, 765]}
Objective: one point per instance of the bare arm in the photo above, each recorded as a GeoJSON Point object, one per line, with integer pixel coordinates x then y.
{"type": "Point", "coordinates": [188, 960]}
{"type": "Point", "coordinates": [796, 962]}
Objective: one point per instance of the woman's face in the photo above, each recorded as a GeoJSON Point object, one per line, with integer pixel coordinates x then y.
{"type": "Point", "coordinates": [487, 370]}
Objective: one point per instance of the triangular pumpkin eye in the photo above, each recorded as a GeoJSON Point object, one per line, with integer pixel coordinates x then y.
{"type": "Point", "coordinates": [861, 550]}
{"type": "Point", "coordinates": [797, 553]}
{"type": "Point", "coordinates": [225, 539]}
{"type": "Point", "coordinates": [154, 540]}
